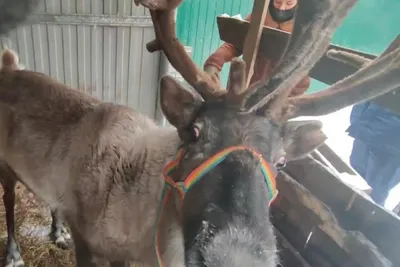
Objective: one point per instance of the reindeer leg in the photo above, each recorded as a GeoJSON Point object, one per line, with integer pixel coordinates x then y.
{"type": "Point", "coordinates": [59, 235]}
{"type": "Point", "coordinates": [83, 255]}
{"type": "Point", "coordinates": [13, 256]}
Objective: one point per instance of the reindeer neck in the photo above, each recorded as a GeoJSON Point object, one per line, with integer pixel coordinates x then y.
{"type": "Point", "coordinates": [151, 151]}
{"type": "Point", "coordinates": [244, 237]}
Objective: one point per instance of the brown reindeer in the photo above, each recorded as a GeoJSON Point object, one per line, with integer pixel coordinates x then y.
{"type": "Point", "coordinates": [58, 234]}
{"type": "Point", "coordinates": [12, 14]}
{"type": "Point", "coordinates": [101, 164]}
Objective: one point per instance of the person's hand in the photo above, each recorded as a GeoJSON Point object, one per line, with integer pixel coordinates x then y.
{"type": "Point", "coordinates": [213, 72]}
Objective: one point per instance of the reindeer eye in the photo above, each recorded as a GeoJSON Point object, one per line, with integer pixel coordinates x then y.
{"type": "Point", "coordinates": [195, 132]}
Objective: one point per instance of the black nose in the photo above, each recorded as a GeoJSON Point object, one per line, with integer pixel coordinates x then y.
{"type": "Point", "coordinates": [280, 165]}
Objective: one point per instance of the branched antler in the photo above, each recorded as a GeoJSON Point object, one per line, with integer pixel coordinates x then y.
{"type": "Point", "coordinates": [164, 25]}
{"type": "Point", "coordinates": [315, 22]}
{"type": "Point", "coordinates": [374, 79]}
{"type": "Point", "coordinates": [162, 14]}
{"type": "Point", "coordinates": [354, 60]}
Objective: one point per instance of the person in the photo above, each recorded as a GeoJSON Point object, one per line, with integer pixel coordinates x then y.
{"type": "Point", "coordinates": [280, 16]}
{"type": "Point", "coordinates": [375, 127]}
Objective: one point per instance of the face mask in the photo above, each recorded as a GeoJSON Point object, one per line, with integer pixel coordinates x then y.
{"type": "Point", "coordinates": [281, 15]}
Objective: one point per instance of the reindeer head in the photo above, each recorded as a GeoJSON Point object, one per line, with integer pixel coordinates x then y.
{"type": "Point", "coordinates": [225, 214]}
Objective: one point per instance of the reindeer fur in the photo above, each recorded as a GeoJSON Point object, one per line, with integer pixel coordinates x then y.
{"type": "Point", "coordinates": [97, 163]}
{"type": "Point", "coordinates": [100, 165]}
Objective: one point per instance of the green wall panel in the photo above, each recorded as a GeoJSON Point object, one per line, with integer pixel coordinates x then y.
{"type": "Point", "coordinates": [370, 27]}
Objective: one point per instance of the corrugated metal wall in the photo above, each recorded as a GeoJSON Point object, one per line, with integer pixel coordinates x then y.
{"type": "Point", "coordinates": [94, 45]}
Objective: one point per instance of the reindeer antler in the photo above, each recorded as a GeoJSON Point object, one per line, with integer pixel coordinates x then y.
{"type": "Point", "coordinates": [376, 78]}
{"type": "Point", "coordinates": [310, 39]}
{"type": "Point", "coordinates": [166, 40]}
{"type": "Point", "coordinates": [162, 14]}
{"type": "Point", "coordinates": [315, 23]}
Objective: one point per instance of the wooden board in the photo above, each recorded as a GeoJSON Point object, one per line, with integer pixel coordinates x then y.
{"type": "Point", "coordinates": [352, 210]}
{"type": "Point", "coordinates": [288, 255]}
{"type": "Point", "coordinates": [311, 215]}
{"type": "Point", "coordinates": [252, 40]}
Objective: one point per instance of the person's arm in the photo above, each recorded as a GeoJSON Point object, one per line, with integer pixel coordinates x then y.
{"type": "Point", "coordinates": [225, 53]}
{"type": "Point", "coordinates": [301, 87]}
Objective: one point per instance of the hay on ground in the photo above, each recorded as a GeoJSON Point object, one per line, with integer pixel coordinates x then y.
{"type": "Point", "coordinates": [32, 225]}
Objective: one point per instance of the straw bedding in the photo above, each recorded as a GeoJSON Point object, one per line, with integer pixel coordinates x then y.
{"type": "Point", "coordinates": [32, 224]}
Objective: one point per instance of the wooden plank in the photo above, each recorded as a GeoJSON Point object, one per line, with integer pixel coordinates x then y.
{"type": "Point", "coordinates": [288, 255]}
{"type": "Point", "coordinates": [325, 155]}
{"type": "Point", "coordinates": [298, 237]}
{"type": "Point", "coordinates": [273, 43]}
{"type": "Point", "coordinates": [252, 40]}
{"type": "Point", "coordinates": [335, 160]}
{"type": "Point", "coordinates": [314, 216]}
{"type": "Point", "coordinates": [353, 210]}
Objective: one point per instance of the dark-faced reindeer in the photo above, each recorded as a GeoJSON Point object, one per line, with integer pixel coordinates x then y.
{"type": "Point", "coordinates": [117, 176]}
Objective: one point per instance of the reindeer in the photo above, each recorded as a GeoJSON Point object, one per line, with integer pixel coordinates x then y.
{"type": "Point", "coordinates": [117, 176]}
{"type": "Point", "coordinates": [12, 14]}
{"type": "Point", "coordinates": [58, 234]}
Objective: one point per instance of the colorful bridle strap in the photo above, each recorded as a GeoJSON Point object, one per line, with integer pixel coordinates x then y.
{"type": "Point", "coordinates": [198, 173]}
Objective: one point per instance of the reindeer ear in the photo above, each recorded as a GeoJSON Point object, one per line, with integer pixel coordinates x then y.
{"type": "Point", "coordinates": [301, 138]}
{"type": "Point", "coordinates": [178, 103]}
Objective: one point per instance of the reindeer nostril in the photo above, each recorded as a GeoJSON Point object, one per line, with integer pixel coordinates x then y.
{"type": "Point", "coordinates": [281, 163]}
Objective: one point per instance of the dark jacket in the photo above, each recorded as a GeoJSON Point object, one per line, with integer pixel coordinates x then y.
{"type": "Point", "coordinates": [376, 126]}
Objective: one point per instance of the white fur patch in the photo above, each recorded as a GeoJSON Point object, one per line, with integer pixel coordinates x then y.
{"type": "Point", "coordinates": [18, 263]}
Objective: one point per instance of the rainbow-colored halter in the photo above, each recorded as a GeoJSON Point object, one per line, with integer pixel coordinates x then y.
{"type": "Point", "coordinates": [195, 176]}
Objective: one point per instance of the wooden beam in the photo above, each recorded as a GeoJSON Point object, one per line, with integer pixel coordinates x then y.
{"type": "Point", "coordinates": [252, 41]}
{"type": "Point", "coordinates": [308, 212]}
{"type": "Point", "coordinates": [288, 255]}
{"type": "Point", "coordinates": [338, 163]}
{"type": "Point", "coordinates": [380, 226]}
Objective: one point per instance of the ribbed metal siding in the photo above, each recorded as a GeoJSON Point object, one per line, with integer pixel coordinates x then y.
{"type": "Point", "coordinates": [73, 42]}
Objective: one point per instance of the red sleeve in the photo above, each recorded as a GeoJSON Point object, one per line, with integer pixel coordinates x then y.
{"type": "Point", "coordinates": [225, 53]}
{"type": "Point", "coordinates": [301, 87]}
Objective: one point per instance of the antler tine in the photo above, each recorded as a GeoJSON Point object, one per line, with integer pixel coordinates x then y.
{"type": "Point", "coordinates": [315, 22]}
{"type": "Point", "coordinates": [354, 60]}
{"type": "Point", "coordinates": [359, 62]}
{"type": "Point", "coordinates": [166, 40]}
{"type": "Point", "coordinates": [236, 82]}
{"type": "Point", "coordinates": [377, 78]}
